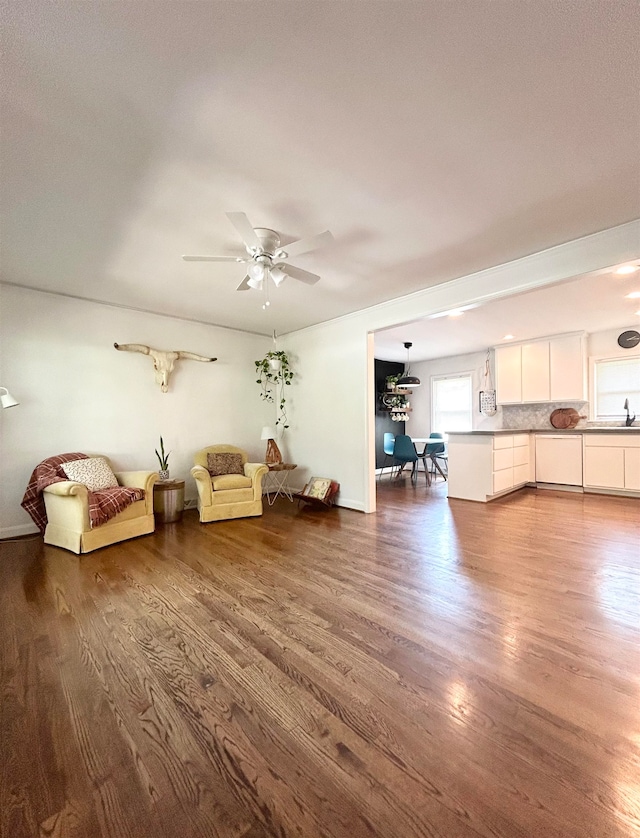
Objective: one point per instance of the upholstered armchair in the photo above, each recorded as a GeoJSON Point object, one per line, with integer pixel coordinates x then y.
{"type": "Point", "coordinates": [68, 525]}
{"type": "Point", "coordinates": [228, 495]}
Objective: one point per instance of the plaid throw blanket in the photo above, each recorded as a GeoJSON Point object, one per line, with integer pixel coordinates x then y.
{"type": "Point", "coordinates": [106, 503]}
{"type": "Point", "coordinates": [103, 505]}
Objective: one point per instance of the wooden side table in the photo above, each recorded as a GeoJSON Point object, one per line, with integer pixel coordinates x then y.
{"type": "Point", "coordinates": [168, 501]}
{"type": "Point", "coordinates": [277, 481]}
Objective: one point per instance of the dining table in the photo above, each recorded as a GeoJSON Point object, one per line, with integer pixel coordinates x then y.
{"type": "Point", "coordinates": [424, 441]}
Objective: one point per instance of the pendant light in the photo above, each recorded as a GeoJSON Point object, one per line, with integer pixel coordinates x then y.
{"type": "Point", "coordinates": [407, 381]}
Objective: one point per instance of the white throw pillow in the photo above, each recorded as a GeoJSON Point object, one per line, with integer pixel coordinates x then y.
{"type": "Point", "coordinates": [94, 472]}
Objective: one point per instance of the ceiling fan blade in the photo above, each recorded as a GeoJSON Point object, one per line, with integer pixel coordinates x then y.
{"type": "Point", "coordinates": [244, 229]}
{"type": "Point", "coordinates": [244, 285]}
{"type": "Point", "coordinates": [214, 259]}
{"type": "Point", "coordinates": [299, 273]}
{"type": "Point", "coordinates": [307, 245]}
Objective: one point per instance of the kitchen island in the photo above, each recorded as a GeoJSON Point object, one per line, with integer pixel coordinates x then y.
{"type": "Point", "coordinates": [484, 465]}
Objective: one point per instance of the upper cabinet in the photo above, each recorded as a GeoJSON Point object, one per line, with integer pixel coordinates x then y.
{"type": "Point", "coordinates": [548, 370]}
{"type": "Point", "coordinates": [568, 369]}
{"type": "Point", "coordinates": [535, 371]}
{"type": "Point", "coordinates": [509, 374]}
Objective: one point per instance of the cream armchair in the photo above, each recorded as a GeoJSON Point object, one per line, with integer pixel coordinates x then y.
{"type": "Point", "coordinates": [68, 526]}
{"type": "Point", "coordinates": [228, 495]}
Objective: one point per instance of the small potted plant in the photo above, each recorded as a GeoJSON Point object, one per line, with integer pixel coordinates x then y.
{"type": "Point", "coordinates": [392, 380]}
{"type": "Point", "coordinates": [163, 459]}
{"type": "Point", "coordinates": [274, 374]}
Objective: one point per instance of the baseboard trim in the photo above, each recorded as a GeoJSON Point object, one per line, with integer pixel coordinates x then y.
{"type": "Point", "coordinates": [18, 530]}
{"type": "Point", "coordinates": [560, 487]}
{"type": "Point", "coordinates": [348, 503]}
{"type": "Point", "coordinates": [615, 493]}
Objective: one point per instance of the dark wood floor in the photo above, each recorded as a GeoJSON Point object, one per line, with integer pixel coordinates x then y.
{"type": "Point", "coordinates": [438, 669]}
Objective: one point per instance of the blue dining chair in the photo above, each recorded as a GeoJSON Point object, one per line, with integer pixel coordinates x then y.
{"type": "Point", "coordinates": [437, 450]}
{"type": "Point", "coordinates": [404, 451]}
{"type": "Point", "coordinates": [388, 445]}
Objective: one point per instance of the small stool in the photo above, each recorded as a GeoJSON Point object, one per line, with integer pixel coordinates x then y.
{"type": "Point", "coordinates": [168, 501]}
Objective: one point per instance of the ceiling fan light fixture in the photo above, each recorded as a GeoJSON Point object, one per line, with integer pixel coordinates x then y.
{"type": "Point", "coordinates": [256, 275]}
{"type": "Point", "coordinates": [278, 276]}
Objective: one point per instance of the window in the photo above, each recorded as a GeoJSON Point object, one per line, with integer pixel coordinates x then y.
{"type": "Point", "coordinates": [451, 403]}
{"type": "Point", "coordinates": [614, 380]}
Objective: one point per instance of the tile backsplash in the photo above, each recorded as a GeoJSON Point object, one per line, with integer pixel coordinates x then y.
{"type": "Point", "coordinates": [536, 416]}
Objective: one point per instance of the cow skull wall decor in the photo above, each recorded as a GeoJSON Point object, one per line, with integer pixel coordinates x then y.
{"type": "Point", "coordinates": [163, 362]}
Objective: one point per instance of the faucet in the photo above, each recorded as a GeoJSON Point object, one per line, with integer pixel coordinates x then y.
{"type": "Point", "coordinates": [630, 419]}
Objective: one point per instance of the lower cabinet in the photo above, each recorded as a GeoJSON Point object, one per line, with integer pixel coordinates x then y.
{"type": "Point", "coordinates": [482, 466]}
{"type": "Point", "coordinates": [511, 462]}
{"type": "Point", "coordinates": [632, 469]}
{"type": "Point", "coordinates": [612, 462]}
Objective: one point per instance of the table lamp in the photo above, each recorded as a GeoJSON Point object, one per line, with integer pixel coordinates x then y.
{"type": "Point", "coordinates": [273, 456]}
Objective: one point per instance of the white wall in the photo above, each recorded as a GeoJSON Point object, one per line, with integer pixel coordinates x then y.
{"type": "Point", "coordinates": [600, 344]}
{"type": "Point", "coordinates": [605, 344]}
{"type": "Point", "coordinates": [328, 416]}
{"type": "Point", "coordinates": [331, 425]}
{"type": "Point", "coordinates": [77, 393]}
{"type": "Point", "coordinates": [420, 423]}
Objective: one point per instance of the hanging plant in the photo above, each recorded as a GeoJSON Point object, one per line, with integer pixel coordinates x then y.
{"type": "Point", "coordinates": [274, 374]}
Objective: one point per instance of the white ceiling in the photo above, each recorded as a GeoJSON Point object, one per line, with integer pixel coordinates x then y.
{"type": "Point", "coordinates": [433, 138]}
{"type": "Point", "coordinates": [590, 303]}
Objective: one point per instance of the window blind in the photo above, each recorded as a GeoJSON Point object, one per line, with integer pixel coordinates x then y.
{"type": "Point", "coordinates": [616, 379]}
{"type": "Point", "coordinates": [451, 400]}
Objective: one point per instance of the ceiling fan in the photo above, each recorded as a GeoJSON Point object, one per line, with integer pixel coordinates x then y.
{"type": "Point", "coordinates": [266, 257]}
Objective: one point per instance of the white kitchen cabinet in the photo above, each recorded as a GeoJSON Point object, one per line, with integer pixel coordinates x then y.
{"type": "Point", "coordinates": [511, 467]}
{"type": "Point", "coordinates": [547, 370]}
{"type": "Point", "coordinates": [482, 467]}
{"type": "Point", "coordinates": [535, 371]}
{"type": "Point", "coordinates": [485, 465]}
{"type": "Point", "coordinates": [632, 469]}
{"type": "Point", "coordinates": [612, 461]}
{"type": "Point", "coordinates": [502, 480]}
{"type": "Point", "coordinates": [567, 367]}
{"type": "Point", "coordinates": [509, 374]}
{"type": "Point", "coordinates": [604, 467]}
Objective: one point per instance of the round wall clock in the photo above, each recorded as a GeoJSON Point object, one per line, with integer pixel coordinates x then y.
{"type": "Point", "coordinates": [630, 339]}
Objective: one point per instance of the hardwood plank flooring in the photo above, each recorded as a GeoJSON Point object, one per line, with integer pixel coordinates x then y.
{"type": "Point", "coordinates": [441, 669]}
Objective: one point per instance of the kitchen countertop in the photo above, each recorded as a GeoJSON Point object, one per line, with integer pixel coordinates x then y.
{"type": "Point", "coordinates": [550, 430]}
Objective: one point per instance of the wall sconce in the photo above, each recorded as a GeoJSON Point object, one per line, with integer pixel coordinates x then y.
{"type": "Point", "coordinates": [6, 399]}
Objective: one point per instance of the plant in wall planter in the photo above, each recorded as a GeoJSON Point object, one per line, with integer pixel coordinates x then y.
{"type": "Point", "coordinates": [163, 459]}
{"type": "Point", "coordinates": [274, 374]}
